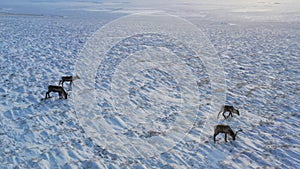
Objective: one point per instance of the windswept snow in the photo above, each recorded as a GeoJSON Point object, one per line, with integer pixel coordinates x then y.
{"type": "Point", "coordinates": [151, 103]}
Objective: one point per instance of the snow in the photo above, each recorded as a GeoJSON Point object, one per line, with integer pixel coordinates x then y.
{"type": "Point", "coordinates": [151, 84]}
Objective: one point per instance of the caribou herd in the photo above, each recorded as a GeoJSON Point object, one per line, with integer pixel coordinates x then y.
{"type": "Point", "coordinates": [220, 128]}
{"type": "Point", "coordinates": [60, 89]}
{"type": "Point", "coordinates": [226, 129]}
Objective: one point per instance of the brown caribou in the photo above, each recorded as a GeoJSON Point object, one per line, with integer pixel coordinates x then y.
{"type": "Point", "coordinates": [58, 89]}
{"type": "Point", "coordinates": [226, 130]}
{"type": "Point", "coordinates": [68, 79]}
{"type": "Point", "coordinates": [230, 109]}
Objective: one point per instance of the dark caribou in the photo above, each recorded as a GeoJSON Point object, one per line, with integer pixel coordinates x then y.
{"type": "Point", "coordinates": [58, 89]}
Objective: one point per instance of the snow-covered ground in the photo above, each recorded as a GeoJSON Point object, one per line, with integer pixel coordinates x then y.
{"type": "Point", "coordinates": [152, 101]}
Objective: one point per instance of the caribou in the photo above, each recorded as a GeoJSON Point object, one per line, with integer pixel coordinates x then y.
{"type": "Point", "coordinates": [226, 130]}
{"type": "Point", "coordinates": [230, 109]}
{"type": "Point", "coordinates": [68, 79]}
{"type": "Point", "coordinates": [58, 89]}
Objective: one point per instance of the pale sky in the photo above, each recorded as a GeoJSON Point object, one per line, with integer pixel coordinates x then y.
{"type": "Point", "coordinates": [176, 7]}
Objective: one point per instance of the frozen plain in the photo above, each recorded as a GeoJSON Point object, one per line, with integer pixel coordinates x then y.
{"type": "Point", "coordinates": [259, 54]}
